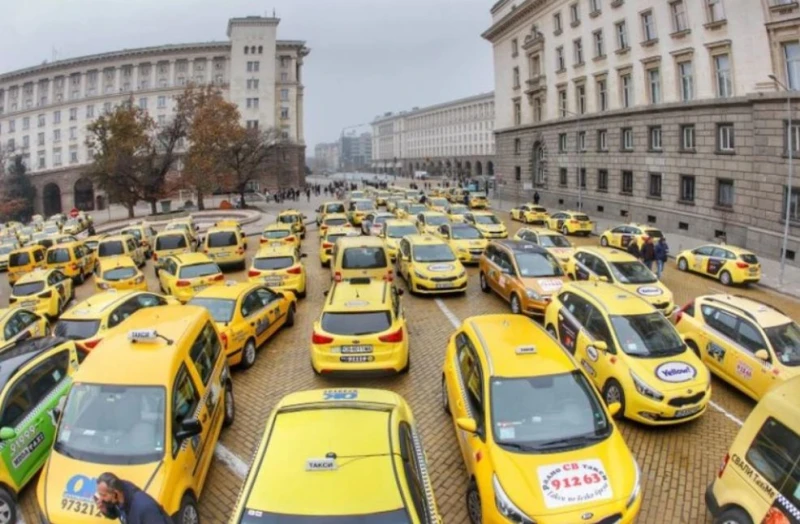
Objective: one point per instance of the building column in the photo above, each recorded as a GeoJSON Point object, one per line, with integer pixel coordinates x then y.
{"type": "Point", "coordinates": [299, 116]}
{"type": "Point", "coordinates": [171, 78]}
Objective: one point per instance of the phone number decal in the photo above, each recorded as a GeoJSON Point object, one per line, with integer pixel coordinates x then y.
{"type": "Point", "coordinates": [574, 483]}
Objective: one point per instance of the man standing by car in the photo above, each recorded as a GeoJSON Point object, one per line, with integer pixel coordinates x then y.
{"type": "Point", "coordinates": [120, 499]}
{"type": "Point", "coordinates": [662, 252]}
{"type": "Point", "coordinates": [648, 253]}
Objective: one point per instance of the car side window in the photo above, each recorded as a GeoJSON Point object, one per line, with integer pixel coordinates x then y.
{"type": "Point", "coordinates": [749, 336]}
{"type": "Point", "coordinates": [718, 253]}
{"type": "Point", "coordinates": [266, 297]}
{"type": "Point", "coordinates": [470, 369]}
{"type": "Point", "coordinates": [720, 320]}
{"type": "Point", "coordinates": [579, 308]}
{"type": "Point", "coordinates": [773, 453]}
{"type": "Point", "coordinates": [530, 237]}
{"type": "Point", "coordinates": [148, 300]}
{"type": "Point", "coordinates": [412, 471]}
{"type": "Point", "coordinates": [396, 303]}
{"type": "Point", "coordinates": [505, 262]}
{"type": "Point", "coordinates": [601, 268]}
{"type": "Point", "coordinates": [12, 327]}
{"type": "Point", "coordinates": [250, 304]}
{"type": "Point", "coordinates": [18, 402]}
{"type": "Point", "coordinates": [44, 378]}
{"type": "Point", "coordinates": [26, 318]}
{"type": "Point", "coordinates": [704, 251]}
{"type": "Point", "coordinates": [204, 352]}
{"type": "Point", "coordinates": [184, 402]}
{"type": "Point", "coordinates": [597, 326]}
{"type": "Point", "coordinates": [38, 255]}
{"type": "Point", "coordinates": [126, 309]}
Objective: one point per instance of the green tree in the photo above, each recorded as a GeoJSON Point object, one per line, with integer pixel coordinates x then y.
{"type": "Point", "coordinates": [18, 192]}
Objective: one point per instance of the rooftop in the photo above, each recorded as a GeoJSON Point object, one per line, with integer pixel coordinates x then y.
{"type": "Point", "coordinates": [418, 110]}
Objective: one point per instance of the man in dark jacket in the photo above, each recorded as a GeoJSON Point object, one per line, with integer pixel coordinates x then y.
{"type": "Point", "coordinates": [120, 499]}
{"type": "Point", "coordinates": [536, 197]}
{"type": "Point", "coordinates": [633, 249]}
{"type": "Point", "coordinates": [662, 252]}
{"type": "Point", "coordinates": [648, 253]}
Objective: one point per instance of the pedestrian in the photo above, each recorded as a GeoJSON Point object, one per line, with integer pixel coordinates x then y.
{"type": "Point", "coordinates": [92, 231]}
{"type": "Point", "coordinates": [662, 252]}
{"type": "Point", "coordinates": [633, 249]}
{"type": "Point", "coordinates": [120, 499]}
{"type": "Point", "coordinates": [536, 197]}
{"type": "Point", "coordinates": [648, 253]}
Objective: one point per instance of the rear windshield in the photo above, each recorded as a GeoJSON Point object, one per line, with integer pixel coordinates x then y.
{"type": "Point", "coordinates": [334, 208]}
{"type": "Point", "coordinates": [363, 206]}
{"type": "Point", "coordinates": [332, 238]}
{"type": "Point", "coordinates": [582, 218]}
{"type": "Point", "coordinates": [288, 219]}
{"type": "Point", "coordinates": [29, 288]}
{"type": "Point", "coordinates": [170, 242]}
{"type": "Point", "coordinates": [119, 273]}
{"type": "Point", "coordinates": [111, 248]}
{"type": "Point", "coordinates": [401, 231]}
{"type": "Point", "coordinates": [466, 233]}
{"type": "Point", "coordinates": [76, 329]}
{"type": "Point", "coordinates": [353, 324]}
{"type": "Point", "coordinates": [436, 220]}
{"type": "Point", "coordinates": [486, 219]}
{"type": "Point", "coordinates": [221, 310]}
{"type": "Point", "coordinates": [335, 221]}
{"type": "Point", "coordinates": [276, 233]}
{"type": "Point", "coordinates": [221, 239]}
{"type": "Point", "coordinates": [750, 259]}
{"type": "Point", "coordinates": [199, 270]}
{"type": "Point", "coordinates": [4, 250]}
{"type": "Point", "coordinates": [553, 241]}
{"type": "Point", "coordinates": [19, 259]}
{"type": "Point", "coordinates": [272, 263]}
{"type": "Point", "coordinates": [413, 209]}
{"type": "Point", "coordinates": [58, 256]}
{"type": "Point", "coordinates": [458, 210]}
{"type": "Point", "coordinates": [364, 258]}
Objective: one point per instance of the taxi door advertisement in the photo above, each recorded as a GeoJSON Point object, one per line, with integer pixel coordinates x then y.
{"type": "Point", "coordinates": [782, 511]}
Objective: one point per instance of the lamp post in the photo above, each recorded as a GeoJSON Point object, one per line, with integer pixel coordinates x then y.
{"type": "Point", "coordinates": [790, 148]}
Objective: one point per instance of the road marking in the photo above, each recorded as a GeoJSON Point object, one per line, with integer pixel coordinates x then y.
{"type": "Point", "coordinates": [456, 322]}
{"type": "Point", "coordinates": [233, 462]}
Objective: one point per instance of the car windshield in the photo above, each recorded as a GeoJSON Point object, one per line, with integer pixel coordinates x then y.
{"type": "Point", "coordinates": [72, 222]}
{"type": "Point", "coordinates": [535, 265]}
{"type": "Point", "coordinates": [458, 210]}
{"type": "Point", "coordinates": [433, 253]}
{"type": "Point", "coordinates": [170, 242]}
{"type": "Point", "coordinates": [221, 239]}
{"type": "Point", "coordinates": [51, 230]}
{"type": "Point", "coordinates": [785, 341]}
{"type": "Point", "coordinates": [466, 233]}
{"type": "Point", "coordinates": [119, 273]}
{"type": "Point", "coordinates": [649, 335]}
{"type": "Point", "coordinates": [438, 202]}
{"type": "Point", "coordinates": [220, 309]}
{"type": "Point", "coordinates": [111, 248]}
{"type": "Point", "coordinates": [28, 288]}
{"type": "Point", "coordinates": [654, 233]}
{"type": "Point", "coordinates": [110, 424]}
{"type": "Point", "coordinates": [276, 233]}
{"type": "Point", "coordinates": [135, 233]}
{"type": "Point", "coordinates": [334, 208]}
{"type": "Point", "coordinates": [199, 270]}
{"type": "Point", "coordinates": [57, 256]}
{"type": "Point", "coordinates": [380, 219]}
{"type": "Point", "coordinates": [288, 219]}
{"type": "Point", "coordinates": [76, 329]}
{"type": "Point", "coordinates": [547, 413]}
{"type": "Point", "coordinates": [400, 231]}
{"type": "Point", "coordinates": [553, 241]}
{"type": "Point", "coordinates": [633, 272]}
{"type": "Point", "coordinates": [335, 221]}
{"type": "Point", "coordinates": [436, 220]}
{"type": "Point", "coordinates": [487, 219]}
{"type": "Point", "coordinates": [356, 324]}
{"type": "Point", "coordinates": [272, 263]}
{"type": "Point", "coordinates": [19, 259]}
{"type": "Point", "coordinates": [364, 258]}
{"type": "Point", "coordinates": [414, 209]}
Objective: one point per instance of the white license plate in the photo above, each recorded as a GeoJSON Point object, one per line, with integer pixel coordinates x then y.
{"type": "Point", "coordinates": [686, 412]}
{"type": "Point", "coordinates": [753, 270]}
{"type": "Point", "coordinates": [357, 358]}
{"type": "Point", "coordinates": [273, 281]}
{"type": "Point", "coordinates": [222, 254]}
{"type": "Point", "coordinates": [443, 285]}
{"type": "Point", "coordinates": [200, 288]}
{"type": "Point", "coordinates": [29, 303]}
{"type": "Point", "coordinates": [355, 349]}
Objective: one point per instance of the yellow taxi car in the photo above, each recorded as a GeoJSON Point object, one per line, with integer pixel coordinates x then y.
{"type": "Point", "coordinates": [748, 344]}
{"type": "Point", "coordinates": [373, 222]}
{"type": "Point", "coordinates": [362, 330]}
{"type": "Point", "coordinates": [757, 481]}
{"type": "Point", "coordinates": [294, 218]}
{"type": "Point", "coordinates": [43, 291]}
{"type": "Point", "coordinates": [391, 203]}
{"type": "Point", "coordinates": [537, 442]}
{"type": "Point", "coordinates": [355, 195]}
{"type": "Point", "coordinates": [476, 199]}
{"type": "Point", "coordinates": [24, 234]}
{"type": "Point", "coordinates": [728, 264]}
{"type": "Point", "coordinates": [360, 256]}
{"type": "Point", "coordinates": [456, 195]}
{"type": "Point", "coordinates": [187, 226]}
{"type": "Point", "coordinates": [429, 265]}
{"type": "Point", "coordinates": [358, 208]}
{"type": "Point", "coordinates": [118, 273]}
{"type": "Point", "coordinates": [279, 235]}
{"type": "Point", "coordinates": [225, 245]}
{"type": "Point", "coordinates": [182, 276]}
{"type": "Point", "coordinates": [73, 259]}
{"type": "Point", "coordinates": [623, 270]}
{"type": "Point", "coordinates": [246, 314]}
{"type": "Point", "coordinates": [291, 462]}
{"type": "Point", "coordinates": [169, 243]}
{"type": "Point", "coordinates": [327, 241]}
{"type": "Point", "coordinates": [456, 212]}
{"type": "Point", "coordinates": [88, 322]}
{"type": "Point", "coordinates": [142, 233]}
{"type": "Point", "coordinates": [631, 352]}
{"type": "Point", "coordinates": [159, 392]}
{"type": "Point", "coordinates": [621, 236]}
{"type": "Point", "coordinates": [570, 223]}
{"type": "Point", "coordinates": [280, 268]}
{"type": "Point", "coordinates": [554, 242]}
{"type": "Point", "coordinates": [381, 197]}
{"type": "Point", "coordinates": [24, 260]}
{"type": "Point", "coordinates": [409, 210]}
{"type": "Point", "coordinates": [398, 206]}
{"type": "Point", "coordinates": [333, 220]}
{"type": "Point", "coordinates": [524, 274]}
{"type": "Point", "coordinates": [428, 222]}
{"type": "Point", "coordinates": [21, 324]}
{"type": "Point", "coordinates": [529, 214]}
{"type": "Point", "coordinates": [116, 245]}
{"type": "Point", "coordinates": [438, 204]}
{"type": "Point", "coordinates": [487, 222]}
{"type": "Point", "coordinates": [92, 241]}
{"type": "Point", "coordinates": [465, 240]}
{"type": "Point", "coordinates": [335, 206]}
{"type": "Point", "coordinates": [391, 233]}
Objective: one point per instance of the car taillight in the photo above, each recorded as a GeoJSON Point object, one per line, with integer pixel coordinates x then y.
{"type": "Point", "coordinates": [218, 277]}
{"type": "Point", "coordinates": [397, 336]}
{"type": "Point", "coordinates": [46, 294]}
{"type": "Point", "coordinates": [389, 277]}
{"type": "Point", "coordinates": [74, 267]}
{"type": "Point", "coordinates": [183, 283]}
{"type": "Point", "coordinates": [91, 344]}
{"type": "Point", "coordinates": [253, 273]}
{"type": "Point", "coordinates": [289, 239]}
{"type": "Point", "coordinates": [724, 464]}
{"type": "Point", "coordinates": [263, 241]}
{"type": "Point", "coordinates": [337, 277]}
{"type": "Point", "coordinates": [224, 339]}
{"type": "Point", "coordinates": [11, 300]}
{"type": "Point", "coordinates": [316, 338]}
{"type": "Point", "coordinates": [295, 270]}
{"type": "Point", "coordinates": [240, 251]}
{"type": "Point", "coordinates": [205, 251]}
{"type": "Point", "coordinates": [742, 265]}
{"type": "Point", "coordinates": [327, 245]}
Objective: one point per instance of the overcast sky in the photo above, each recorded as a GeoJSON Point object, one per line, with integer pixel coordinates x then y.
{"type": "Point", "coordinates": [367, 56]}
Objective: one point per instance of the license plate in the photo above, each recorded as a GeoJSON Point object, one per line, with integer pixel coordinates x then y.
{"type": "Point", "coordinates": [357, 358]}
{"type": "Point", "coordinates": [200, 288]}
{"type": "Point", "coordinates": [355, 349]}
{"type": "Point", "coordinates": [686, 412]}
{"type": "Point", "coordinates": [29, 303]}
{"type": "Point", "coordinates": [273, 281]}
{"type": "Point", "coordinates": [222, 254]}
{"type": "Point", "coordinates": [443, 285]}
{"type": "Point", "coordinates": [753, 270]}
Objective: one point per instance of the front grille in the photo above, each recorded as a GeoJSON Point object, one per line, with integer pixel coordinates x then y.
{"type": "Point", "coordinates": [661, 305]}
{"type": "Point", "coordinates": [685, 401]}
{"type": "Point", "coordinates": [476, 251]}
{"type": "Point", "coordinates": [613, 519]}
{"type": "Point", "coordinates": [442, 279]}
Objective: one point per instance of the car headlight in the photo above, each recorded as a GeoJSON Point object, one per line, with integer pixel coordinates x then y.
{"type": "Point", "coordinates": [533, 295]}
{"type": "Point", "coordinates": [462, 250]}
{"type": "Point", "coordinates": [420, 275]}
{"type": "Point", "coordinates": [506, 507]}
{"type": "Point", "coordinates": [644, 389]}
{"type": "Point", "coordinates": [462, 274]}
{"type": "Point", "coordinates": [636, 486]}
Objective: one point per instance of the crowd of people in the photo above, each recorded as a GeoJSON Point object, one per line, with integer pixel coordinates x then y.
{"type": "Point", "coordinates": [651, 253]}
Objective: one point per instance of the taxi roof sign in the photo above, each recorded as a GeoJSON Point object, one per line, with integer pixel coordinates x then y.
{"type": "Point", "coordinates": [321, 464]}
{"type": "Point", "coordinates": [143, 335]}
{"type": "Point", "coordinates": [526, 350]}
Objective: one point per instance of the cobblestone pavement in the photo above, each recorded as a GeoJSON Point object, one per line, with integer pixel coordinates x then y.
{"type": "Point", "coordinates": [677, 463]}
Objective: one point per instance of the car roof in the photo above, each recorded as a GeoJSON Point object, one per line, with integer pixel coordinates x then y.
{"type": "Point", "coordinates": [765, 315]}
{"type": "Point", "coordinates": [433, 213]}
{"type": "Point", "coordinates": [117, 360]}
{"type": "Point", "coordinates": [335, 215]}
{"type": "Point", "coordinates": [608, 253]}
{"type": "Point", "coordinates": [17, 354]}
{"type": "Point", "coordinates": [519, 246]}
{"type": "Point", "coordinates": [342, 230]}
{"type": "Point", "coordinates": [272, 250]}
{"type": "Point", "coordinates": [191, 258]}
{"type": "Point", "coordinates": [481, 212]}
{"type": "Point", "coordinates": [359, 294]}
{"type": "Point", "coordinates": [611, 298]}
{"type": "Point", "coordinates": [116, 237]}
{"type": "Point", "coordinates": [418, 240]}
{"type": "Point", "coordinates": [35, 275]}
{"type": "Point", "coordinates": [279, 226]}
{"type": "Point", "coordinates": [360, 241]}
{"type": "Point", "coordinates": [26, 248]}
{"type": "Point", "coordinates": [222, 229]}
{"type": "Point", "coordinates": [733, 249]}
{"type": "Point", "coordinates": [168, 232]}
{"type": "Point", "coordinates": [116, 261]}
{"type": "Point", "coordinates": [289, 212]}
{"type": "Point", "coordinates": [68, 244]}
{"type": "Point", "coordinates": [231, 290]}
{"type": "Point", "coordinates": [97, 304]}
{"type": "Point", "coordinates": [540, 231]}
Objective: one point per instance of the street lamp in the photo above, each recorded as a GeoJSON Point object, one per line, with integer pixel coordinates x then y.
{"type": "Point", "coordinates": [790, 147]}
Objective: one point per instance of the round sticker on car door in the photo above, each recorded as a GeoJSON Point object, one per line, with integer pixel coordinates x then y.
{"type": "Point", "coordinates": [649, 291]}
{"type": "Point", "coordinates": [675, 372]}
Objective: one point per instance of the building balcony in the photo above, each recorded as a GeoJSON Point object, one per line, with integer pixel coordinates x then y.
{"type": "Point", "coordinates": [536, 83]}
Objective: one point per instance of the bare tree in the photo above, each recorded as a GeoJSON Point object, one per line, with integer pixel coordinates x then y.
{"type": "Point", "coordinates": [246, 157]}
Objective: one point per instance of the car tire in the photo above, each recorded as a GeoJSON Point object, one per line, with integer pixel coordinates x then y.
{"type": "Point", "coordinates": [516, 306]}
{"type": "Point", "coordinates": [474, 511]}
{"type": "Point", "coordinates": [188, 513]}
{"type": "Point", "coordinates": [230, 405]}
{"type": "Point", "coordinates": [733, 516]}
{"type": "Point", "coordinates": [8, 507]}
{"type": "Point", "coordinates": [302, 294]}
{"type": "Point", "coordinates": [564, 230]}
{"type": "Point", "coordinates": [326, 264]}
{"type": "Point", "coordinates": [683, 265]}
{"type": "Point", "coordinates": [445, 398]}
{"type": "Point", "coordinates": [290, 316]}
{"type": "Point", "coordinates": [80, 278]}
{"type": "Point", "coordinates": [725, 278]}
{"type": "Point", "coordinates": [604, 241]}
{"type": "Point", "coordinates": [613, 392]}
{"type": "Point", "coordinates": [248, 354]}
{"type": "Point", "coordinates": [694, 348]}
{"type": "Point", "coordinates": [484, 284]}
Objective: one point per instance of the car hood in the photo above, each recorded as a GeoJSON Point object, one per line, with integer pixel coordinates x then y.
{"type": "Point", "coordinates": [470, 244]}
{"type": "Point", "coordinates": [562, 253]}
{"type": "Point", "coordinates": [653, 293]}
{"type": "Point", "coordinates": [544, 285]}
{"type": "Point", "coordinates": [493, 228]}
{"type": "Point", "coordinates": [440, 268]}
{"type": "Point", "coordinates": [671, 374]}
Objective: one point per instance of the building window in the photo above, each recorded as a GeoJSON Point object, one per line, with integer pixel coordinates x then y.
{"type": "Point", "coordinates": [284, 113]}
{"type": "Point", "coordinates": [622, 35]}
{"type": "Point", "coordinates": [162, 120]}
{"type": "Point", "coordinates": [574, 15]}
{"type": "Point", "coordinates": [687, 188]}
{"type": "Point", "coordinates": [580, 98]}
{"type": "Point", "coordinates": [162, 102]}
{"type": "Point", "coordinates": [654, 81]}
{"type": "Point", "coordinates": [90, 111]}
{"type": "Point", "coordinates": [73, 154]}
{"type": "Point", "coordinates": [654, 138]}
{"type": "Point", "coordinates": [40, 139]}
{"type": "Point", "coordinates": [722, 67]}
{"type": "Point", "coordinates": [795, 140]}
{"type": "Point", "coordinates": [514, 47]}
{"type": "Point", "coordinates": [627, 139]}
{"type": "Point", "coordinates": [252, 103]}
{"type": "Point", "coordinates": [602, 179]}
{"type": "Point", "coordinates": [517, 146]}
{"type": "Point", "coordinates": [725, 138]}
{"type": "Point", "coordinates": [627, 183]}
{"type": "Point", "coordinates": [56, 157]}
{"type": "Point", "coordinates": [602, 140]}
{"type": "Point", "coordinates": [679, 20]}
{"type": "Point", "coordinates": [42, 120]}
{"type": "Point", "coordinates": [716, 11]}
{"type": "Point", "coordinates": [794, 204]}
{"type": "Point", "coordinates": [12, 127]}
{"type": "Point", "coordinates": [686, 80]}
{"type": "Point", "coordinates": [562, 143]}
{"type": "Point", "coordinates": [57, 117]}
{"type": "Point", "coordinates": [517, 173]}
{"type": "Point", "coordinates": [562, 177]}
{"type": "Point", "coordinates": [654, 188]}
{"type": "Point", "coordinates": [26, 142]}
{"type": "Point", "coordinates": [578, 51]}
{"type": "Point", "coordinates": [626, 90]}
{"type": "Point", "coordinates": [517, 112]}
{"type": "Point", "coordinates": [537, 109]}
{"type": "Point", "coordinates": [602, 95]}
{"type": "Point", "coordinates": [106, 107]}
{"type": "Point", "coordinates": [143, 104]}
{"type": "Point", "coordinates": [285, 95]}
{"type": "Point", "coordinates": [599, 44]}
{"type": "Point", "coordinates": [582, 178]}
{"type": "Point", "coordinates": [580, 143]}
{"type": "Point", "coordinates": [560, 66]}
{"type": "Point", "coordinates": [284, 77]}
{"type": "Point", "coordinates": [515, 77]}
{"type": "Point", "coordinates": [648, 26]}
{"type": "Point", "coordinates": [56, 135]}
{"type": "Point", "coordinates": [791, 54]}
{"type": "Point", "coordinates": [562, 102]}
{"type": "Point", "coordinates": [594, 6]}
{"type": "Point", "coordinates": [725, 192]}
{"type": "Point", "coordinates": [687, 137]}
{"type": "Point", "coordinates": [42, 163]}
{"type": "Point", "coordinates": [73, 133]}
{"type": "Point", "coordinates": [252, 124]}
{"type": "Point", "coordinates": [557, 23]}
{"type": "Point", "coordinates": [26, 123]}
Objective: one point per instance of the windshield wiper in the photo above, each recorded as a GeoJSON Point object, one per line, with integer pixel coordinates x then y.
{"type": "Point", "coordinates": [58, 447]}
{"type": "Point", "coordinates": [520, 447]}
{"type": "Point", "coordinates": [566, 442]}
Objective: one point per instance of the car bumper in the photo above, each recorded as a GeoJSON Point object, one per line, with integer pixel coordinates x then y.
{"type": "Point", "coordinates": [387, 359]}
{"type": "Point", "coordinates": [227, 260]}
{"type": "Point", "coordinates": [470, 257]}
{"type": "Point", "coordinates": [501, 234]}
{"type": "Point", "coordinates": [295, 283]}
{"type": "Point", "coordinates": [601, 513]}
{"type": "Point", "coordinates": [655, 413]}
{"type": "Point", "coordinates": [433, 287]}
{"type": "Point", "coordinates": [711, 501]}
{"type": "Point", "coordinates": [40, 307]}
{"type": "Point", "coordinates": [122, 286]}
{"type": "Point", "coordinates": [535, 307]}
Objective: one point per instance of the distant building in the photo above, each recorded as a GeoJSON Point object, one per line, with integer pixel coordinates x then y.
{"type": "Point", "coordinates": [326, 157]}
{"type": "Point", "coordinates": [355, 151]}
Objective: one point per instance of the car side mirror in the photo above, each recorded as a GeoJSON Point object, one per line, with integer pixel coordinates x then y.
{"type": "Point", "coordinates": [467, 424]}
{"type": "Point", "coordinates": [762, 354]}
{"type": "Point", "coordinates": [188, 428]}
{"type": "Point", "coordinates": [599, 345]}
{"type": "Point", "coordinates": [303, 255]}
{"type": "Point", "coordinates": [614, 408]}
{"type": "Point", "coordinates": [7, 433]}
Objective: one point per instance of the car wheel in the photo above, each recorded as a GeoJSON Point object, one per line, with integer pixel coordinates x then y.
{"type": "Point", "coordinates": [80, 278]}
{"type": "Point", "coordinates": [515, 305]}
{"type": "Point", "coordinates": [188, 514]}
{"type": "Point", "coordinates": [733, 516]}
{"type": "Point", "coordinates": [8, 507]}
{"type": "Point", "coordinates": [484, 283]}
{"type": "Point", "coordinates": [604, 241]}
{"type": "Point", "coordinates": [445, 398]}
{"type": "Point", "coordinates": [474, 504]}
{"type": "Point", "coordinates": [230, 405]}
{"type": "Point", "coordinates": [613, 393]}
{"type": "Point", "coordinates": [694, 348]}
{"type": "Point", "coordinates": [302, 294]}
{"type": "Point", "coordinates": [564, 230]}
{"type": "Point", "coordinates": [725, 278]}
{"type": "Point", "coordinates": [290, 317]}
{"type": "Point", "coordinates": [682, 264]}
{"type": "Point", "coordinates": [248, 354]}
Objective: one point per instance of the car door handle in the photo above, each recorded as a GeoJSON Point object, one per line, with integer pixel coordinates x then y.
{"type": "Point", "coordinates": [252, 324]}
